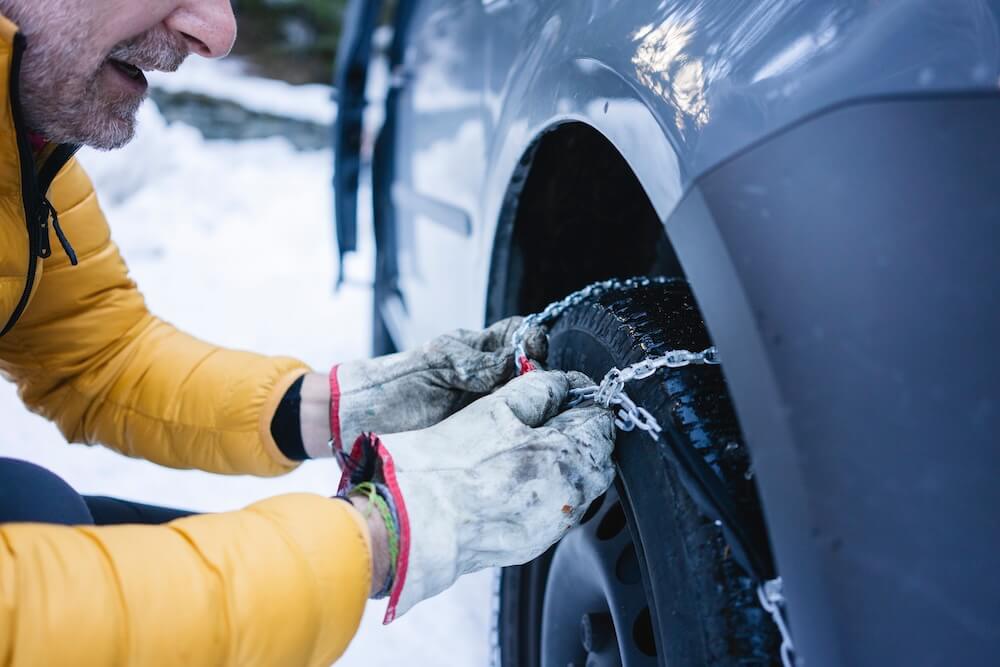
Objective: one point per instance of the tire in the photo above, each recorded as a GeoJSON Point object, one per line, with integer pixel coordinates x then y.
{"type": "Point", "coordinates": [647, 578]}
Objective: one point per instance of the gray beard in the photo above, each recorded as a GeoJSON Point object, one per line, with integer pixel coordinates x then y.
{"type": "Point", "coordinates": [66, 108]}
{"type": "Point", "coordinates": [62, 98]}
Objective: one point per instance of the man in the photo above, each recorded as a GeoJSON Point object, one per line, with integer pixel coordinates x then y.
{"type": "Point", "coordinates": [468, 470]}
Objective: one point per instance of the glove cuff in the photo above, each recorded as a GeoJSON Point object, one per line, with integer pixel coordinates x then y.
{"type": "Point", "coordinates": [355, 405]}
{"type": "Point", "coordinates": [370, 462]}
{"type": "Point", "coordinates": [336, 441]}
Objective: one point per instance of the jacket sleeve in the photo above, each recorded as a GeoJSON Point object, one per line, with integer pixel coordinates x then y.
{"type": "Point", "coordinates": [283, 582]}
{"type": "Point", "coordinates": [88, 355]}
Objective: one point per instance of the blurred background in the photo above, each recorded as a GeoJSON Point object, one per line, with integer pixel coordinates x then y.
{"type": "Point", "coordinates": [293, 40]}
{"type": "Point", "coordinates": [222, 207]}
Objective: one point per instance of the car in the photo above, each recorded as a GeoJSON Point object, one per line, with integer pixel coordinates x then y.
{"type": "Point", "coordinates": [808, 187]}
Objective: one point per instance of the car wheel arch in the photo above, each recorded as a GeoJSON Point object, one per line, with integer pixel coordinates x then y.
{"type": "Point", "coordinates": [687, 246]}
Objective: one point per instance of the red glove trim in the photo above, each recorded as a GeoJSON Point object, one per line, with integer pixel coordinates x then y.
{"type": "Point", "coordinates": [525, 365]}
{"type": "Point", "coordinates": [350, 465]}
{"type": "Point", "coordinates": [357, 467]}
{"type": "Point", "coordinates": [389, 473]}
{"type": "Point", "coordinates": [338, 445]}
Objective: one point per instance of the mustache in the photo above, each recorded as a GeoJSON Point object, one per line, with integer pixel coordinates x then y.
{"type": "Point", "coordinates": [156, 49]}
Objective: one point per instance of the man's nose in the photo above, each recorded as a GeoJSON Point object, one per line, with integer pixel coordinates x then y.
{"type": "Point", "coordinates": [208, 26]}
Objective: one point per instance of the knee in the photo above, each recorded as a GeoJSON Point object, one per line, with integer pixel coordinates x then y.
{"type": "Point", "coordinates": [29, 492]}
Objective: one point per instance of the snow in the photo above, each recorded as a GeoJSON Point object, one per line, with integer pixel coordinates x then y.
{"type": "Point", "coordinates": [232, 241]}
{"type": "Point", "coordinates": [228, 80]}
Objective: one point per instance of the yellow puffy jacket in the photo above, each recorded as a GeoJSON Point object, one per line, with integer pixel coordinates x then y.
{"type": "Point", "coordinates": [282, 582]}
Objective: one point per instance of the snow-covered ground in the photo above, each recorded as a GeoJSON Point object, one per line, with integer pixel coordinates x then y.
{"type": "Point", "coordinates": [232, 241]}
{"type": "Point", "coordinates": [227, 80]}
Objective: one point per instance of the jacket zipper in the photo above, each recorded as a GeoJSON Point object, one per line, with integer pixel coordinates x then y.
{"type": "Point", "coordinates": [60, 156]}
{"type": "Point", "coordinates": [34, 188]}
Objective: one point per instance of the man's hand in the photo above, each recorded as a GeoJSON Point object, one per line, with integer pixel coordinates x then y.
{"type": "Point", "coordinates": [494, 485]}
{"type": "Point", "coordinates": [410, 390]}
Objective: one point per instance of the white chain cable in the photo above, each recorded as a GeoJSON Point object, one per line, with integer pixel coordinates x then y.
{"type": "Point", "coordinates": [496, 656]}
{"type": "Point", "coordinates": [772, 599]}
{"type": "Point", "coordinates": [611, 394]}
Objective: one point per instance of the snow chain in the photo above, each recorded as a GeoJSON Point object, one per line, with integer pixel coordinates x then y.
{"type": "Point", "coordinates": [610, 393]}
{"type": "Point", "coordinates": [772, 598]}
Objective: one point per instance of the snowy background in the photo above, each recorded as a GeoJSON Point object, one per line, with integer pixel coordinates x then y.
{"type": "Point", "coordinates": [232, 241]}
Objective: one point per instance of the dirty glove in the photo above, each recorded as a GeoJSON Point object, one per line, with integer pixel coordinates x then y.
{"type": "Point", "coordinates": [494, 485]}
{"type": "Point", "coordinates": [415, 389]}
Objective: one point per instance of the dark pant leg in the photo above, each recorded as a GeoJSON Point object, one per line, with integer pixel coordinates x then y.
{"type": "Point", "coordinates": [31, 493]}
{"type": "Point", "coordinates": [110, 511]}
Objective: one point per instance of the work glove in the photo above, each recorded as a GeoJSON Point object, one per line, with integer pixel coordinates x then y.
{"type": "Point", "coordinates": [416, 389]}
{"type": "Point", "coordinates": [494, 485]}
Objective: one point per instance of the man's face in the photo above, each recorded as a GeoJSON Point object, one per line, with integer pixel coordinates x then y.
{"type": "Point", "coordinates": [82, 75]}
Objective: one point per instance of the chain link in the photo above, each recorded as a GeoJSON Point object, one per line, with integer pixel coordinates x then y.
{"type": "Point", "coordinates": [496, 655]}
{"type": "Point", "coordinates": [772, 599]}
{"type": "Point", "coordinates": [610, 393]}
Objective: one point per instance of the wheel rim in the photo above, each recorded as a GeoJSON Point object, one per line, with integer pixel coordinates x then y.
{"type": "Point", "coordinates": [596, 612]}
